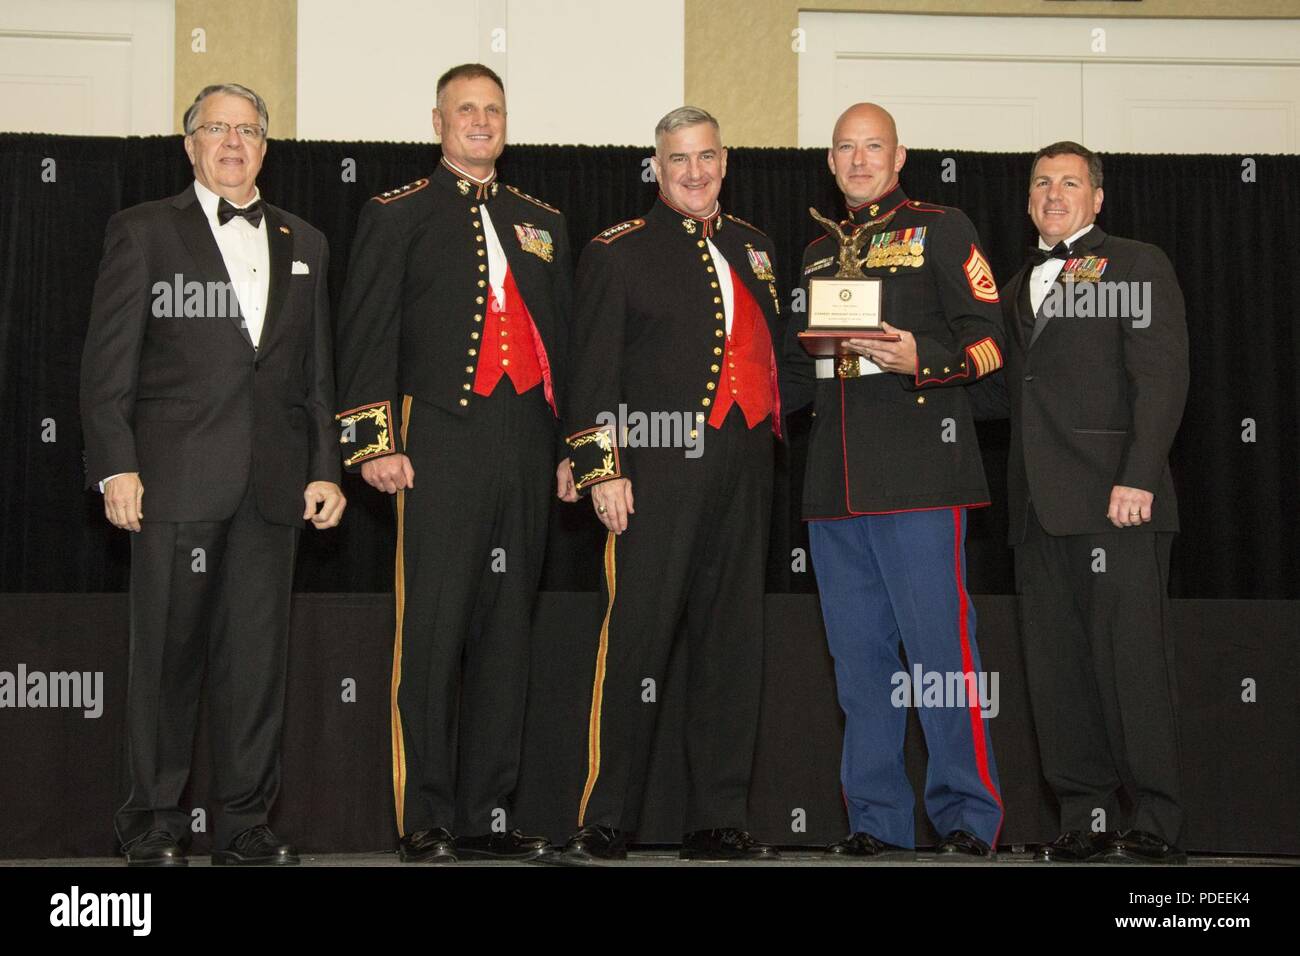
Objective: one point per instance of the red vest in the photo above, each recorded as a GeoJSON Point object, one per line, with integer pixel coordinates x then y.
{"type": "Point", "coordinates": [511, 346]}
{"type": "Point", "coordinates": [748, 376]}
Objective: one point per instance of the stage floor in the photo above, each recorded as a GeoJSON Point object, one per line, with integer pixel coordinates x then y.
{"type": "Point", "coordinates": [668, 858]}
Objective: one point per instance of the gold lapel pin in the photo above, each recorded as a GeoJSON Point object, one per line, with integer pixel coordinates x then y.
{"type": "Point", "coordinates": [285, 230]}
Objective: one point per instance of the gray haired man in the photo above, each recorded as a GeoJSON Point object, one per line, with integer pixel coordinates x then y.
{"type": "Point", "coordinates": [212, 439]}
{"type": "Point", "coordinates": [676, 315]}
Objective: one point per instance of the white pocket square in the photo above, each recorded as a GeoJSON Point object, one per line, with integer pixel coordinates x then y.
{"type": "Point", "coordinates": [300, 268]}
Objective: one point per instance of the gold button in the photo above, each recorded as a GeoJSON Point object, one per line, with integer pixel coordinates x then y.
{"type": "Point", "coordinates": [465, 386]}
{"type": "Point", "coordinates": [706, 401]}
{"type": "Point", "coordinates": [719, 315]}
{"type": "Point", "coordinates": [708, 268]}
{"type": "Point", "coordinates": [710, 386]}
{"type": "Point", "coordinates": [694, 433]}
{"type": "Point", "coordinates": [473, 351]}
{"type": "Point", "coordinates": [504, 333]}
{"type": "Point", "coordinates": [700, 243]}
{"type": "Point", "coordinates": [718, 332]}
{"type": "Point", "coordinates": [946, 369]}
{"type": "Point", "coordinates": [925, 371]}
{"type": "Point", "coordinates": [478, 300]}
{"type": "Point", "coordinates": [481, 283]}
{"type": "Point", "coordinates": [717, 300]}
{"type": "Point", "coordinates": [504, 347]}
{"type": "Point", "coordinates": [464, 401]}
{"type": "Point", "coordinates": [714, 368]}
{"type": "Point", "coordinates": [920, 400]}
{"type": "Point", "coordinates": [481, 267]}
{"type": "Point", "coordinates": [473, 208]}
{"type": "Point", "coordinates": [505, 318]}
{"type": "Point", "coordinates": [479, 239]}
{"type": "Point", "coordinates": [478, 318]}
{"type": "Point", "coordinates": [477, 223]}
{"type": "Point", "coordinates": [473, 335]}
{"type": "Point", "coordinates": [963, 364]}
{"type": "Point", "coordinates": [717, 350]}
{"type": "Point", "coordinates": [699, 416]}
{"type": "Point", "coordinates": [734, 392]}
{"type": "Point", "coordinates": [705, 255]}
{"type": "Point", "coordinates": [505, 362]}
{"type": "Point", "coordinates": [713, 285]}
{"type": "Point", "coordinates": [733, 378]}
{"type": "Point", "coordinates": [480, 252]}
{"type": "Point", "coordinates": [731, 365]}
{"type": "Point", "coordinates": [469, 369]}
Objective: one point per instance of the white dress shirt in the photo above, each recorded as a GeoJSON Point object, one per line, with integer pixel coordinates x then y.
{"type": "Point", "coordinates": [496, 255]}
{"type": "Point", "coordinates": [248, 260]}
{"type": "Point", "coordinates": [1042, 276]}
{"type": "Point", "coordinates": [724, 282]}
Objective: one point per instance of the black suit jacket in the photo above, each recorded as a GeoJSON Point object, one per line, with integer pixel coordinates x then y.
{"type": "Point", "coordinates": [184, 399]}
{"type": "Point", "coordinates": [1095, 400]}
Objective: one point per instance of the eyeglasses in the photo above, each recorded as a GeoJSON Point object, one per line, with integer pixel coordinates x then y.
{"type": "Point", "coordinates": [246, 131]}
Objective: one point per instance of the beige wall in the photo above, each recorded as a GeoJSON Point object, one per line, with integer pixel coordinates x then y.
{"type": "Point", "coordinates": [740, 65]}
{"type": "Point", "coordinates": [253, 42]}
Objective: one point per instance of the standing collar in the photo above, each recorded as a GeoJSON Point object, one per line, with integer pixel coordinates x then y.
{"type": "Point", "coordinates": [880, 206]}
{"type": "Point", "coordinates": [689, 224]}
{"type": "Point", "coordinates": [453, 177]}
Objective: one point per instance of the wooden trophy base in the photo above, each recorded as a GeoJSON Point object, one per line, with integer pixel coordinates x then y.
{"type": "Point", "coordinates": [830, 343]}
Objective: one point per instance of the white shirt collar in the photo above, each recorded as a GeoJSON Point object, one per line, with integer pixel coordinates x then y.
{"type": "Point", "coordinates": [209, 200]}
{"type": "Point", "coordinates": [1042, 243]}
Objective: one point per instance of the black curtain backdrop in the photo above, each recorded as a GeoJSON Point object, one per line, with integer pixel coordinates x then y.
{"type": "Point", "coordinates": [1231, 242]}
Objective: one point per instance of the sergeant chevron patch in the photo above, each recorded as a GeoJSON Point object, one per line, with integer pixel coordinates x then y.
{"type": "Point", "coordinates": [980, 276]}
{"type": "Point", "coordinates": [986, 357]}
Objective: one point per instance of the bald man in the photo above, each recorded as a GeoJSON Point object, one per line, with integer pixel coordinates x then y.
{"type": "Point", "coordinates": [893, 466]}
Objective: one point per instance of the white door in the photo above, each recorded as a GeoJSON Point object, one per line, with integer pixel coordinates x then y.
{"type": "Point", "coordinates": [1018, 83]}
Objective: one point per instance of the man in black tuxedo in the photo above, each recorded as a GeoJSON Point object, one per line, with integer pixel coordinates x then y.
{"type": "Point", "coordinates": [1096, 379]}
{"type": "Point", "coordinates": [208, 378]}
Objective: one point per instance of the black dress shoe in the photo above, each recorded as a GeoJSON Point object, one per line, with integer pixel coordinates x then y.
{"type": "Point", "coordinates": [1139, 846]}
{"type": "Point", "coordinates": [502, 846]}
{"type": "Point", "coordinates": [256, 846]}
{"type": "Point", "coordinates": [728, 843]}
{"type": "Point", "coordinates": [1074, 846]}
{"type": "Point", "coordinates": [865, 845]}
{"type": "Point", "coordinates": [960, 844]}
{"type": "Point", "coordinates": [156, 848]}
{"type": "Point", "coordinates": [593, 845]}
{"type": "Point", "coordinates": [428, 846]}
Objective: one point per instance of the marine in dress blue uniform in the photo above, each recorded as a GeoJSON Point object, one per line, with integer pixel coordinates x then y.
{"type": "Point", "coordinates": [893, 466]}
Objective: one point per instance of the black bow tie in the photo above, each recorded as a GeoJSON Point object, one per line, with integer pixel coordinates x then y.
{"type": "Point", "coordinates": [1059, 251]}
{"type": "Point", "coordinates": [227, 211]}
